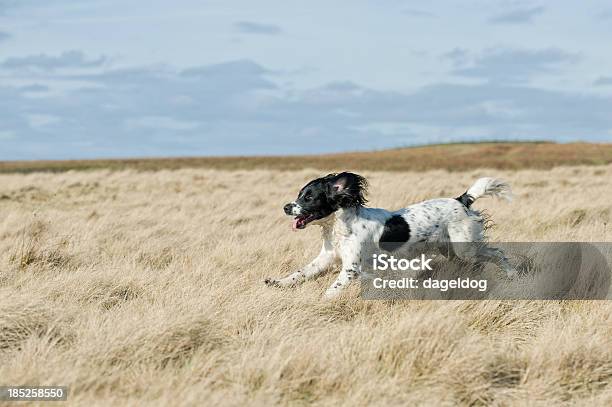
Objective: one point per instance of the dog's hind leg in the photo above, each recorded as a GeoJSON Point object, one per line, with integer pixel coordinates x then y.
{"type": "Point", "coordinates": [467, 237]}
{"type": "Point", "coordinates": [495, 256]}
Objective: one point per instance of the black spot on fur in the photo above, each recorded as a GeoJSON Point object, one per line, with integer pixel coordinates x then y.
{"type": "Point", "coordinates": [395, 233]}
{"type": "Point", "coordinates": [466, 199]}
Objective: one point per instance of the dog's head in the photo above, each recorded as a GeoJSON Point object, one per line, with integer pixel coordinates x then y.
{"type": "Point", "coordinates": [323, 196]}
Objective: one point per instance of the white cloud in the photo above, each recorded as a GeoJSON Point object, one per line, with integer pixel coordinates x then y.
{"type": "Point", "coordinates": [161, 122]}
{"type": "Point", "coordinates": [511, 65]}
{"type": "Point", "coordinates": [413, 12]}
{"type": "Point", "coordinates": [518, 15]}
{"type": "Point", "coordinates": [41, 121]}
{"type": "Point", "coordinates": [67, 59]}
{"type": "Point", "coordinates": [251, 27]}
{"type": "Point", "coordinates": [236, 108]}
{"type": "Point", "coordinates": [7, 135]}
{"type": "Point", "coordinates": [603, 81]}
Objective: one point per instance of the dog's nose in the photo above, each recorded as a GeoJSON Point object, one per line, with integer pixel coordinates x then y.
{"type": "Point", "coordinates": [288, 208]}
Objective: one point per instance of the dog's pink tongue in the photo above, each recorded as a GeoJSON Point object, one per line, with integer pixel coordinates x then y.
{"type": "Point", "coordinates": [294, 224]}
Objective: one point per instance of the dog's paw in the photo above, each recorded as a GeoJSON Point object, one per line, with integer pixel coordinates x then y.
{"type": "Point", "coordinates": [332, 292]}
{"type": "Point", "coordinates": [271, 282]}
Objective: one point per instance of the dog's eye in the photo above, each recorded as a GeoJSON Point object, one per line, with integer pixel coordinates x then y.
{"type": "Point", "coordinates": [308, 197]}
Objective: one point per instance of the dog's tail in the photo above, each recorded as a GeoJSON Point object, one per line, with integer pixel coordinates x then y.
{"type": "Point", "coordinates": [486, 187]}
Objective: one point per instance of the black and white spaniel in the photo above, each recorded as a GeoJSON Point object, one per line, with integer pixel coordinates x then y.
{"type": "Point", "coordinates": [336, 202]}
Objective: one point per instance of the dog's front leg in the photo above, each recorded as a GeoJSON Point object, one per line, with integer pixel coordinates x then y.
{"type": "Point", "coordinates": [350, 253]}
{"type": "Point", "coordinates": [325, 258]}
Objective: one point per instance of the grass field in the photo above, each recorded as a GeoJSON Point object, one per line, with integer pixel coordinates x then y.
{"type": "Point", "coordinates": [452, 157]}
{"type": "Point", "coordinates": [134, 286]}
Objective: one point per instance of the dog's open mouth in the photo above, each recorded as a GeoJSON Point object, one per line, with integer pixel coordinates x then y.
{"type": "Point", "coordinates": [301, 221]}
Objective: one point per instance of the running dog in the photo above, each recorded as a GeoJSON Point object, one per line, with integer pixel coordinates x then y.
{"type": "Point", "coordinates": [336, 202]}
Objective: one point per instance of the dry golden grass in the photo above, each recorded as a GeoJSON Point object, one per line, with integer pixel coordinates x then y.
{"type": "Point", "coordinates": [452, 157]}
{"type": "Point", "coordinates": [146, 287]}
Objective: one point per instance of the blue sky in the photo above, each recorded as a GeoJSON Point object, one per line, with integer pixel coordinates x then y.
{"type": "Point", "coordinates": [109, 78]}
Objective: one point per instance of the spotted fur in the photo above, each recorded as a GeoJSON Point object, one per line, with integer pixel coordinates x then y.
{"type": "Point", "coordinates": [337, 204]}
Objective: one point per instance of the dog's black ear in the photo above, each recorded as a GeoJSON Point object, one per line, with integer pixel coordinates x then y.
{"type": "Point", "coordinates": [348, 190]}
